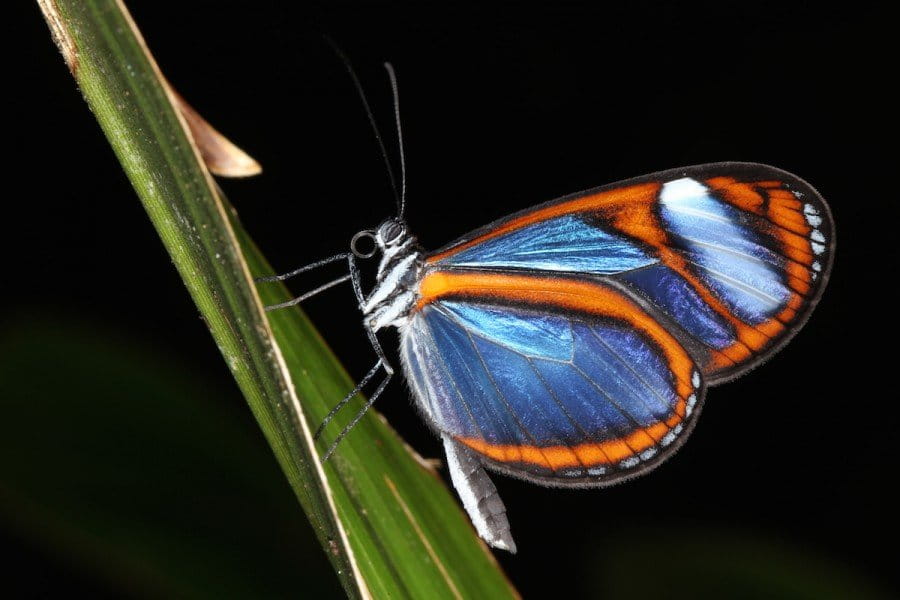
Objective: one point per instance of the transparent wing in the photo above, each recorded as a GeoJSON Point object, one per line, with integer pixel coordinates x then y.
{"type": "Point", "coordinates": [562, 397]}
{"type": "Point", "coordinates": [731, 256]}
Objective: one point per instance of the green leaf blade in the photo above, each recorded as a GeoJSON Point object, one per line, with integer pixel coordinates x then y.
{"type": "Point", "coordinates": [418, 533]}
{"type": "Point", "coordinates": [127, 95]}
{"type": "Point", "coordinates": [388, 525]}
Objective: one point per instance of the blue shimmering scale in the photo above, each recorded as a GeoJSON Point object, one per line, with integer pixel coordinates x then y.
{"type": "Point", "coordinates": [561, 244]}
{"type": "Point", "coordinates": [514, 377]}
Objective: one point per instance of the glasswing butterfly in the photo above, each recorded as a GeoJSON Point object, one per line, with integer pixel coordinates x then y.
{"type": "Point", "coordinates": [571, 344]}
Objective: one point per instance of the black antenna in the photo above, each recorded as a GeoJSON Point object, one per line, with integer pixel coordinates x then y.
{"type": "Point", "coordinates": [362, 96]}
{"type": "Point", "coordinates": [393, 76]}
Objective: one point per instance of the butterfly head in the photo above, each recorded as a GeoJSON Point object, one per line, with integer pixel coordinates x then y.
{"type": "Point", "coordinates": [387, 239]}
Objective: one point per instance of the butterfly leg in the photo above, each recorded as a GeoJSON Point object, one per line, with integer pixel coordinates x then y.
{"type": "Point", "coordinates": [389, 372]}
{"type": "Point", "coordinates": [337, 407]}
{"type": "Point", "coordinates": [303, 269]}
{"type": "Point", "coordinates": [381, 364]}
{"type": "Point", "coordinates": [479, 495]}
{"type": "Point", "coordinates": [361, 298]}
{"type": "Point", "coordinates": [353, 276]}
{"type": "Point", "coordinates": [359, 415]}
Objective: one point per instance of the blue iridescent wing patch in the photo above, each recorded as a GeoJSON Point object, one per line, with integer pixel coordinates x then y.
{"type": "Point", "coordinates": [565, 243]}
{"type": "Point", "coordinates": [588, 398]}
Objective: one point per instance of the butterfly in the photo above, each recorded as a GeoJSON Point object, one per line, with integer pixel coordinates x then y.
{"type": "Point", "coordinates": [572, 344]}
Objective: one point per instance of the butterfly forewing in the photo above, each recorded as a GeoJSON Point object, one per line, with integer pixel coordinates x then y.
{"type": "Point", "coordinates": [733, 255]}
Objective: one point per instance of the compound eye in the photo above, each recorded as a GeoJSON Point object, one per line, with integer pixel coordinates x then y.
{"type": "Point", "coordinates": [391, 231]}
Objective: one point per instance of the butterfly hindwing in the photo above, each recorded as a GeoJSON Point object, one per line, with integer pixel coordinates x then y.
{"type": "Point", "coordinates": [732, 257]}
{"type": "Point", "coordinates": [567, 382]}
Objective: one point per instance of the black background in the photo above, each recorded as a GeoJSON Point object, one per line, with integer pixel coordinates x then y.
{"type": "Point", "coordinates": [505, 106]}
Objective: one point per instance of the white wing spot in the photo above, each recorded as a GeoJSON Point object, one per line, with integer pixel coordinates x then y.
{"type": "Point", "coordinates": [695, 379]}
{"type": "Point", "coordinates": [816, 266]}
{"type": "Point", "coordinates": [681, 189]}
{"type": "Point", "coordinates": [597, 471]}
{"type": "Point", "coordinates": [648, 453]}
{"type": "Point", "coordinates": [691, 403]}
{"type": "Point", "coordinates": [668, 438]}
{"type": "Point", "coordinates": [817, 248]}
{"type": "Point", "coordinates": [814, 220]}
{"type": "Point", "coordinates": [817, 235]}
{"type": "Point", "coordinates": [573, 473]}
{"type": "Point", "coordinates": [629, 462]}
{"type": "Point", "coordinates": [678, 429]}
{"type": "Point", "coordinates": [809, 209]}
{"type": "Point", "coordinates": [797, 194]}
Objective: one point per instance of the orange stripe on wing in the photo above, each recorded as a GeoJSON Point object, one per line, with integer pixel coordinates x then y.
{"type": "Point", "coordinates": [638, 220]}
{"type": "Point", "coordinates": [774, 204]}
{"type": "Point", "coordinates": [632, 211]}
{"type": "Point", "coordinates": [769, 200]}
{"type": "Point", "coordinates": [575, 295]}
{"type": "Point", "coordinates": [585, 204]}
{"type": "Point", "coordinates": [586, 455]}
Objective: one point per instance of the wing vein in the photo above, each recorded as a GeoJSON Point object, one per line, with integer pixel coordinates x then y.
{"type": "Point", "coordinates": [506, 402]}
{"type": "Point", "coordinates": [680, 208]}
{"type": "Point", "coordinates": [490, 378]}
{"type": "Point", "coordinates": [728, 280]}
{"type": "Point", "coordinates": [734, 252]}
{"type": "Point", "coordinates": [562, 408]}
{"type": "Point", "coordinates": [640, 378]}
{"type": "Point", "coordinates": [462, 399]}
{"type": "Point", "coordinates": [614, 404]}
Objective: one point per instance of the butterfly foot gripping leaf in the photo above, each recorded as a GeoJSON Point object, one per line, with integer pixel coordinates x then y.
{"type": "Point", "coordinates": [571, 344]}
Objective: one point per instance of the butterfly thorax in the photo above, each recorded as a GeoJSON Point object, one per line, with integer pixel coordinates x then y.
{"type": "Point", "coordinates": [395, 293]}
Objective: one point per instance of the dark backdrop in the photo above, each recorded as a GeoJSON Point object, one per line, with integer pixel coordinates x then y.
{"type": "Point", "coordinates": [787, 478]}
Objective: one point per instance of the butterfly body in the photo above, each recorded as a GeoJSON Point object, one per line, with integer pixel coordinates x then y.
{"type": "Point", "coordinates": [571, 344]}
{"type": "Point", "coordinates": [394, 297]}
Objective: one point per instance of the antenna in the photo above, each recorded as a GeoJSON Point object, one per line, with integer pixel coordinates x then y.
{"type": "Point", "coordinates": [365, 102]}
{"type": "Point", "coordinates": [393, 77]}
